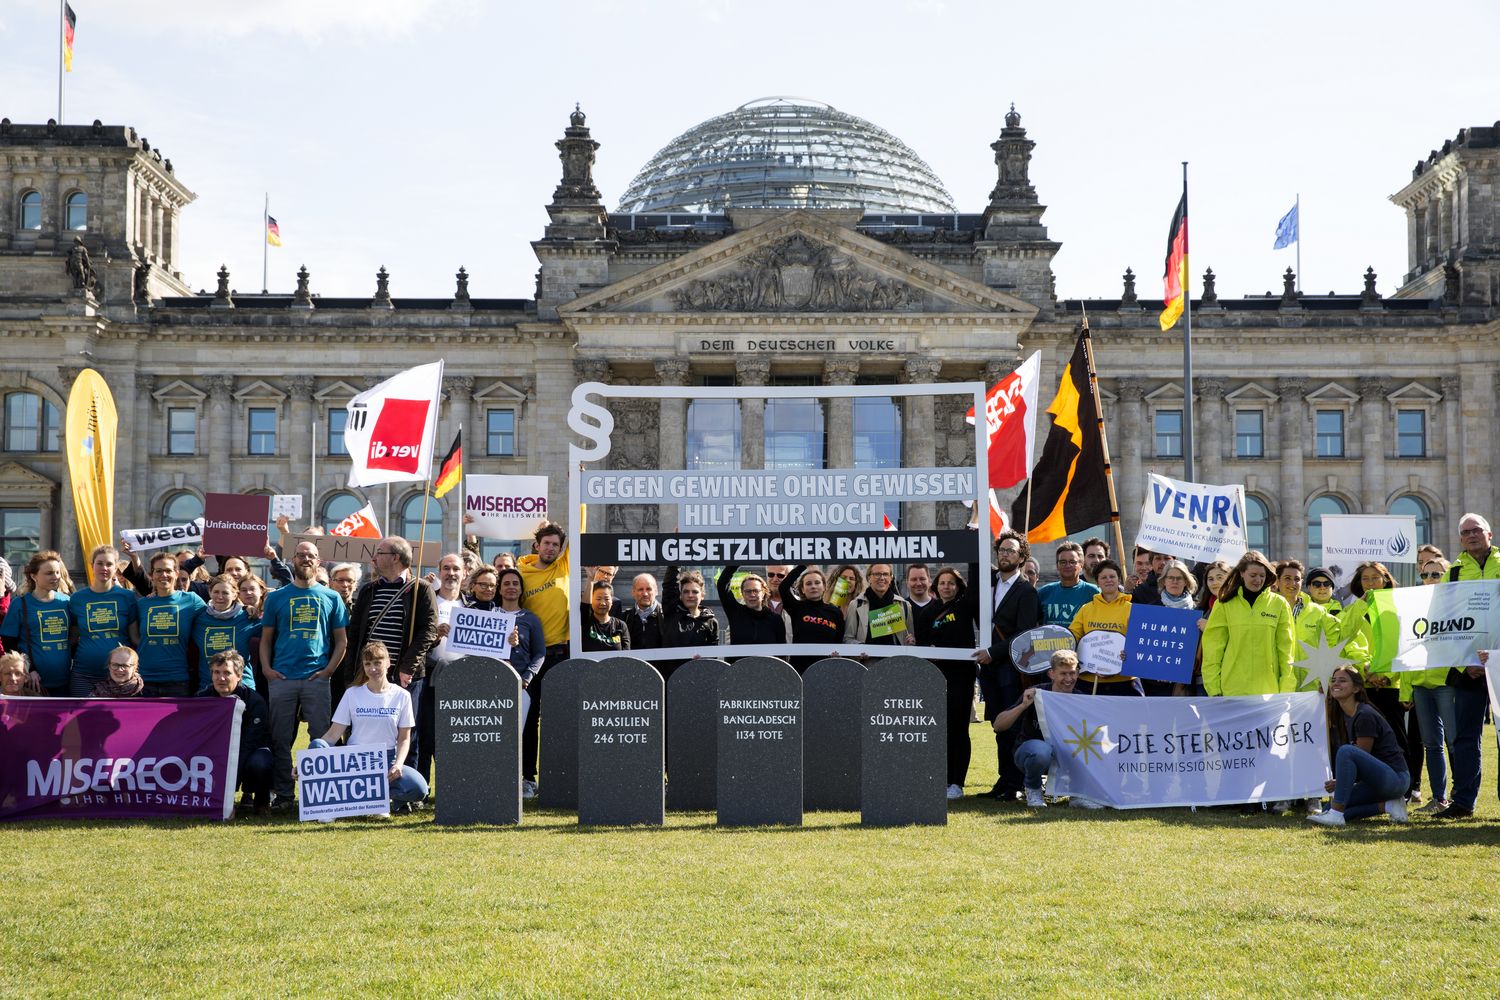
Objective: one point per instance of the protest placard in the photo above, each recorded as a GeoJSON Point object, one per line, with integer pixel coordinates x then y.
{"type": "Point", "coordinates": [1350, 539]}
{"type": "Point", "coordinates": [343, 781]}
{"type": "Point", "coordinates": [234, 524]}
{"type": "Point", "coordinates": [481, 633]}
{"type": "Point", "coordinates": [1161, 644]}
{"type": "Point", "coordinates": [1099, 653]}
{"type": "Point", "coordinates": [1194, 522]}
{"type": "Point", "coordinates": [1031, 651]}
{"type": "Point", "coordinates": [142, 539]}
{"type": "Point", "coordinates": [361, 549]}
{"type": "Point", "coordinates": [1444, 625]}
{"type": "Point", "coordinates": [288, 505]}
{"type": "Point", "coordinates": [505, 506]}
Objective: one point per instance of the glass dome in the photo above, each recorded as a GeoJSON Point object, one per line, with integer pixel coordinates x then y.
{"type": "Point", "coordinates": [786, 152]}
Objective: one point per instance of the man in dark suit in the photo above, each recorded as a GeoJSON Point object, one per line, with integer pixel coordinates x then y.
{"type": "Point", "coordinates": [1016, 610]}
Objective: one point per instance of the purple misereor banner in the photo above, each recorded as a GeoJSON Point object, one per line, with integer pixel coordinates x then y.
{"type": "Point", "coordinates": [84, 758]}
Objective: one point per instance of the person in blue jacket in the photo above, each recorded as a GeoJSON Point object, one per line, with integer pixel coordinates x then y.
{"type": "Point", "coordinates": [227, 671]}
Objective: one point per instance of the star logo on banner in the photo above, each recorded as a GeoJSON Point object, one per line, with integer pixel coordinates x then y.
{"type": "Point", "coordinates": [1087, 741]}
{"type": "Point", "coordinates": [1321, 660]}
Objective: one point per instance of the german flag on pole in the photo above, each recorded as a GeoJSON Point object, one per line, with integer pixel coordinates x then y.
{"type": "Point", "coordinates": [1069, 491]}
{"type": "Point", "coordinates": [452, 469]}
{"type": "Point", "coordinates": [1177, 265]}
{"type": "Point", "coordinates": [273, 232]}
{"type": "Point", "coordinates": [70, 21]}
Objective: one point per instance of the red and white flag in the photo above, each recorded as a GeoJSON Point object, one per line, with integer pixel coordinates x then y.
{"type": "Point", "coordinates": [391, 427]}
{"type": "Point", "coordinates": [1010, 417]}
{"type": "Point", "coordinates": [360, 524]}
{"type": "Point", "coordinates": [887, 526]}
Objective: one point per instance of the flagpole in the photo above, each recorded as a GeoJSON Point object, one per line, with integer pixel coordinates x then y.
{"type": "Point", "coordinates": [265, 246]}
{"type": "Point", "coordinates": [312, 490]}
{"type": "Point", "coordinates": [62, 44]}
{"type": "Point", "coordinates": [416, 573]}
{"type": "Point", "coordinates": [463, 497]}
{"type": "Point", "coordinates": [1187, 342]}
{"type": "Point", "coordinates": [1299, 242]}
{"type": "Point", "coordinates": [1109, 475]}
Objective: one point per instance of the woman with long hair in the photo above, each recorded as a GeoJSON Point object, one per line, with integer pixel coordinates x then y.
{"type": "Point", "coordinates": [1247, 645]}
{"type": "Point", "coordinates": [379, 713]}
{"type": "Point", "coordinates": [951, 619]}
{"type": "Point", "coordinates": [224, 625]}
{"type": "Point", "coordinates": [1434, 711]}
{"type": "Point", "coordinates": [1369, 769]}
{"type": "Point", "coordinates": [105, 615]}
{"type": "Point", "coordinates": [39, 622]}
{"type": "Point", "coordinates": [845, 584]}
{"type": "Point", "coordinates": [1382, 685]}
{"type": "Point", "coordinates": [815, 620]}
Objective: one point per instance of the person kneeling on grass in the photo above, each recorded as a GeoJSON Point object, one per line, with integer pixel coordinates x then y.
{"type": "Point", "coordinates": [15, 677]}
{"type": "Point", "coordinates": [1369, 768]}
{"type": "Point", "coordinates": [226, 671]}
{"type": "Point", "coordinates": [1034, 755]}
{"type": "Point", "coordinates": [378, 713]}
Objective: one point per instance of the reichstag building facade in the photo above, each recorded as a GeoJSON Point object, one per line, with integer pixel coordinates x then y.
{"type": "Point", "coordinates": [783, 243]}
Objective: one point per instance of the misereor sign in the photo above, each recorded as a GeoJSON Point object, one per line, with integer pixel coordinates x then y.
{"type": "Point", "coordinates": [752, 517]}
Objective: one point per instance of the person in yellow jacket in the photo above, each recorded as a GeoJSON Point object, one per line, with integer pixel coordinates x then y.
{"type": "Point", "coordinates": [1107, 611]}
{"type": "Point", "coordinates": [1319, 587]}
{"type": "Point", "coordinates": [1247, 646]}
{"type": "Point", "coordinates": [1312, 624]}
{"type": "Point", "coordinates": [1380, 681]}
{"type": "Point", "coordinates": [1427, 693]}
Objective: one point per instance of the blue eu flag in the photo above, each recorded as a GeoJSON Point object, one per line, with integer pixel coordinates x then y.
{"type": "Point", "coordinates": [1286, 230]}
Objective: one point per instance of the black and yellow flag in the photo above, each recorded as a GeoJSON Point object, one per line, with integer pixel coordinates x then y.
{"type": "Point", "coordinates": [1068, 488]}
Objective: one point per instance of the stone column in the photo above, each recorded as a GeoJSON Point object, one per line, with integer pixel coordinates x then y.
{"type": "Point", "coordinates": [1126, 450]}
{"type": "Point", "coordinates": [220, 433]}
{"type": "Point", "coordinates": [1211, 408]}
{"type": "Point", "coordinates": [839, 415]}
{"type": "Point", "coordinates": [1446, 526]}
{"type": "Point", "coordinates": [919, 437]}
{"type": "Point", "coordinates": [138, 432]}
{"type": "Point", "coordinates": [460, 390]}
{"type": "Point", "coordinates": [1293, 500]}
{"type": "Point", "coordinates": [299, 431]}
{"type": "Point", "coordinates": [1372, 437]}
{"type": "Point", "coordinates": [671, 432]}
{"type": "Point", "coordinates": [752, 373]}
{"type": "Point", "coordinates": [157, 228]}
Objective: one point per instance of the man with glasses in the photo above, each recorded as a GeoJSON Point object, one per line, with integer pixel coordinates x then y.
{"type": "Point", "coordinates": [165, 618]}
{"type": "Point", "coordinates": [1061, 600]}
{"type": "Point", "coordinates": [301, 644]}
{"type": "Point", "coordinates": [880, 616]}
{"type": "Point", "coordinates": [1017, 610]}
{"type": "Point", "coordinates": [1479, 560]}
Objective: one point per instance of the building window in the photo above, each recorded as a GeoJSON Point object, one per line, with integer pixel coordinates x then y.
{"type": "Point", "coordinates": [1411, 433]}
{"type": "Point", "coordinates": [76, 211]}
{"type": "Point", "coordinates": [1406, 573]}
{"type": "Point", "coordinates": [489, 548]}
{"type": "Point", "coordinates": [338, 419]}
{"type": "Point", "coordinates": [262, 430]}
{"type": "Point", "coordinates": [713, 435]}
{"type": "Point", "coordinates": [337, 507]}
{"type": "Point", "coordinates": [31, 210]}
{"type": "Point", "coordinates": [20, 534]}
{"type": "Point", "coordinates": [1315, 512]}
{"type": "Point", "coordinates": [1249, 434]}
{"type": "Point", "coordinates": [500, 433]}
{"type": "Point", "coordinates": [411, 518]}
{"type": "Point", "coordinates": [1330, 433]}
{"type": "Point", "coordinates": [794, 434]}
{"type": "Point", "coordinates": [182, 430]}
{"type": "Point", "coordinates": [1168, 433]}
{"type": "Point", "coordinates": [1257, 523]}
{"type": "Point", "coordinates": [181, 508]}
{"type": "Point", "coordinates": [31, 423]}
{"type": "Point", "coordinates": [877, 440]}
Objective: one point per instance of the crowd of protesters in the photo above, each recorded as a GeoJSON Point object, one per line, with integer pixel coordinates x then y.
{"type": "Point", "coordinates": [326, 641]}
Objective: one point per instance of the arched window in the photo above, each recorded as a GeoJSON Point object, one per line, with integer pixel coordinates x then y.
{"type": "Point", "coordinates": [31, 210]}
{"type": "Point", "coordinates": [181, 508]}
{"type": "Point", "coordinates": [1257, 523]}
{"type": "Point", "coordinates": [1315, 511]}
{"type": "Point", "coordinates": [76, 211]}
{"type": "Point", "coordinates": [411, 518]}
{"type": "Point", "coordinates": [31, 423]}
{"type": "Point", "coordinates": [337, 507]}
{"type": "Point", "coordinates": [1407, 574]}
{"type": "Point", "coordinates": [20, 535]}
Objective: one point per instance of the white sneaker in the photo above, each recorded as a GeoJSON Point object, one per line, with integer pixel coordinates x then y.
{"type": "Point", "coordinates": [1314, 807]}
{"type": "Point", "coordinates": [1280, 806]}
{"type": "Point", "coordinates": [528, 789]}
{"type": "Point", "coordinates": [1034, 798]}
{"type": "Point", "coordinates": [1396, 808]}
{"type": "Point", "coordinates": [1079, 802]}
{"type": "Point", "coordinates": [1435, 805]}
{"type": "Point", "coordinates": [1330, 818]}
{"type": "Point", "coordinates": [955, 791]}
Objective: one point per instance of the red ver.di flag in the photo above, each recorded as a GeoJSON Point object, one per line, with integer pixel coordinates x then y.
{"type": "Point", "coordinates": [1010, 420]}
{"type": "Point", "coordinates": [391, 427]}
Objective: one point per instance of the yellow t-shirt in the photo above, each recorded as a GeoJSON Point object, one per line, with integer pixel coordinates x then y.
{"type": "Point", "coordinates": [547, 592]}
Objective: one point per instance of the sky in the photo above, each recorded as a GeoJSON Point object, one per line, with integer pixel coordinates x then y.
{"type": "Point", "coordinates": [418, 134]}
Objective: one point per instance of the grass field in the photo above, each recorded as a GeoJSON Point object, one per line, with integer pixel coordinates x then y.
{"type": "Point", "coordinates": [1000, 902]}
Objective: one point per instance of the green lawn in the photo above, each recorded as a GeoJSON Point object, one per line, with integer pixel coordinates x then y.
{"type": "Point", "coordinates": [1001, 902]}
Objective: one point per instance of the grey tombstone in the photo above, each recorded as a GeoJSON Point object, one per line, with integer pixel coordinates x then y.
{"type": "Point", "coordinates": [905, 744]}
{"type": "Point", "coordinates": [478, 717]}
{"type": "Point", "coordinates": [621, 730]}
{"type": "Point", "coordinates": [759, 718]}
{"type": "Point", "coordinates": [693, 735]}
{"type": "Point", "coordinates": [557, 774]}
{"type": "Point", "coordinates": [833, 689]}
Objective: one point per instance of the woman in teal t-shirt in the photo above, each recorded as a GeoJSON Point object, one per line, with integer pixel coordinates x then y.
{"type": "Point", "coordinates": [40, 624]}
{"type": "Point", "coordinates": [222, 626]}
{"type": "Point", "coordinates": [104, 614]}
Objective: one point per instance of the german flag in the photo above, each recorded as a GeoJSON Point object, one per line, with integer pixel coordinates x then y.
{"type": "Point", "coordinates": [452, 469]}
{"type": "Point", "coordinates": [1175, 276]}
{"type": "Point", "coordinates": [70, 22]}
{"type": "Point", "coordinates": [1068, 488]}
{"type": "Point", "coordinates": [273, 232]}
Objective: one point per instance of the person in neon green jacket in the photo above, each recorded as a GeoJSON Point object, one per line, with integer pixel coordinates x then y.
{"type": "Point", "coordinates": [1312, 624]}
{"type": "Point", "coordinates": [1427, 693]}
{"type": "Point", "coordinates": [1319, 588]}
{"type": "Point", "coordinates": [1247, 646]}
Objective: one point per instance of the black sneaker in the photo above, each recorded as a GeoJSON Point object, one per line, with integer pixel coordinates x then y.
{"type": "Point", "coordinates": [282, 803]}
{"type": "Point", "coordinates": [1454, 811]}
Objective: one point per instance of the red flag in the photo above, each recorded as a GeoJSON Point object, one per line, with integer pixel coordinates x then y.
{"type": "Point", "coordinates": [1010, 418]}
{"type": "Point", "coordinates": [390, 430]}
{"type": "Point", "coordinates": [888, 526]}
{"type": "Point", "coordinates": [360, 524]}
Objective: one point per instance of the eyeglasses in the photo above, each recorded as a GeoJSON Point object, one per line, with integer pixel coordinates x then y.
{"type": "Point", "coordinates": [484, 585]}
{"type": "Point", "coordinates": [115, 665]}
{"type": "Point", "coordinates": [384, 552]}
{"type": "Point", "coordinates": [1432, 576]}
{"type": "Point", "coordinates": [1471, 531]}
{"type": "Point", "coordinates": [776, 576]}
{"type": "Point", "coordinates": [1013, 550]}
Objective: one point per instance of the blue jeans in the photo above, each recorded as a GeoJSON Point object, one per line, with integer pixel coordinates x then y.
{"type": "Point", "coordinates": [1363, 783]}
{"type": "Point", "coordinates": [409, 787]}
{"type": "Point", "coordinates": [1468, 729]}
{"type": "Point", "coordinates": [1034, 758]}
{"type": "Point", "coordinates": [1437, 717]}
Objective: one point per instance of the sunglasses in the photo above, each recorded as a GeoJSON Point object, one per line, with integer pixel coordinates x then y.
{"type": "Point", "coordinates": [1320, 583]}
{"type": "Point", "coordinates": [1432, 576]}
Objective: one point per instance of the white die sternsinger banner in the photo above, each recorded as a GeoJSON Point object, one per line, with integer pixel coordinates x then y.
{"type": "Point", "coordinates": [1139, 753]}
{"type": "Point", "coordinates": [1193, 522]}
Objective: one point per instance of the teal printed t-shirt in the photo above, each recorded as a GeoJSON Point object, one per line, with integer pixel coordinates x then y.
{"type": "Point", "coordinates": [216, 635]}
{"type": "Point", "coordinates": [103, 624]}
{"type": "Point", "coordinates": [40, 629]}
{"type": "Point", "coordinates": [1060, 604]}
{"type": "Point", "coordinates": [304, 619]}
{"type": "Point", "coordinates": [166, 627]}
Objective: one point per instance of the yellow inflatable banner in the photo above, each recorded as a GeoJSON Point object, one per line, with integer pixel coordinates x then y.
{"type": "Point", "coordinates": [91, 427]}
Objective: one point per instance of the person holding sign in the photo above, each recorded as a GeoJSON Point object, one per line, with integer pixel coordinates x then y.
{"type": "Point", "coordinates": [227, 670]}
{"type": "Point", "coordinates": [1247, 645]}
{"type": "Point", "coordinates": [880, 616]}
{"type": "Point", "coordinates": [1312, 625]}
{"type": "Point", "coordinates": [1034, 755]}
{"type": "Point", "coordinates": [1016, 610]}
{"type": "Point", "coordinates": [1430, 698]}
{"type": "Point", "coordinates": [1381, 682]}
{"type": "Point", "coordinates": [1109, 611]}
{"type": "Point", "coordinates": [815, 621]}
{"type": "Point", "coordinates": [846, 582]}
{"type": "Point", "coordinates": [225, 625]}
{"type": "Point", "coordinates": [685, 621]}
{"type": "Point", "coordinates": [379, 713]}
{"type": "Point", "coordinates": [166, 622]}
{"type": "Point", "coordinates": [546, 574]}
{"type": "Point", "coordinates": [602, 631]}
{"type": "Point", "coordinates": [40, 621]}
{"type": "Point", "coordinates": [952, 619]}
{"type": "Point", "coordinates": [530, 646]}
{"type": "Point", "coordinates": [1369, 767]}
{"type": "Point", "coordinates": [105, 614]}
{"type": "Point", "coordinates": [752, 621]}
